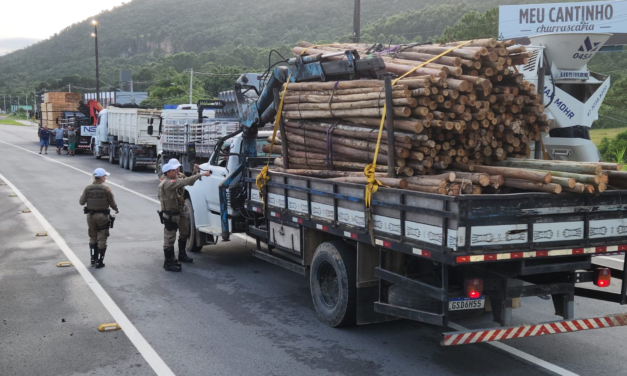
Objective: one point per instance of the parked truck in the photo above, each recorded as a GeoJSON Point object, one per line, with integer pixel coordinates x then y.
{"type": "Point", "coordinates": [412, 255]}
{"type": "Point", "coordinates": [124, 133]}
{"type": "Point", "coordinates": [189, 134]}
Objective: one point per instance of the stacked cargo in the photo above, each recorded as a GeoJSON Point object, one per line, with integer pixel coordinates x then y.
{"type": "Point", "coordinates": [457, 112]}
{"type": "Point", "coordinates": [55, 104]}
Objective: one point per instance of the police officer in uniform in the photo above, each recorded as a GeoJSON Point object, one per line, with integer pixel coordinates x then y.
{"type": "Point", "coordinates": [97, 198]}
{"type": "Point", "coordinates": [172, 215]}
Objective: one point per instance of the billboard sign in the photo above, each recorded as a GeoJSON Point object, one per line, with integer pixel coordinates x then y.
{"type": "Point", "coordinates": [520, 21]}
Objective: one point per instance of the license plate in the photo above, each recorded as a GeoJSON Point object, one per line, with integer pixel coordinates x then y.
{"type": "Point", "coordinates": [459, 304]}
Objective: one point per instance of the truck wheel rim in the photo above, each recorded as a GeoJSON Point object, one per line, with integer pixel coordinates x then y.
{"type": "Point", "coordinates": [329, 285]}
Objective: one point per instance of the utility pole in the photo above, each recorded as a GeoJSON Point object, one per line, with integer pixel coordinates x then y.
{"type": "Point", "coordinates": [357, 21]}
{"type": "Point", "coordinates": [4, 98]}
{"type": "Point", "coordinates": [26, 97]}
{"type": "Point", "coordinates": [191, 82]}
{"type": "Point", "coordinates": [69, 88]}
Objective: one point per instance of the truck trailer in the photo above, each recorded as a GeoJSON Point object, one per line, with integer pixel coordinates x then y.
{"type": "Point", "coordinates": [125, 134]}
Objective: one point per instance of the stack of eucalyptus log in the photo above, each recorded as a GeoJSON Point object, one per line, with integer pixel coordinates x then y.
{"type": "Point", "coordinates": [464, 112]}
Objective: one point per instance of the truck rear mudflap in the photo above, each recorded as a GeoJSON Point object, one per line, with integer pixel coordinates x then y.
{"type": "Point", "coordinates": [467, 337]}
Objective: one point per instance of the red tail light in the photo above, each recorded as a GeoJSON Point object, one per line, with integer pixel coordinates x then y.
{"type": "Point", "coordinates": [604, 277]}
{"type": "Point", "coordinates": [474, 288]}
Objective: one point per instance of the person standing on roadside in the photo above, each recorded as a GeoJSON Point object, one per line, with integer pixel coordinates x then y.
{"type": "Point", "coordinates": [71, 141]}
{"type": "Point", "coordinates": [44, 139]}
{"type": "Point", "coordinates": [58, 138]}
{"type": "Point", "coordinates": [97, 198]}
{"type": "Point", "coordinates": [173, 217]}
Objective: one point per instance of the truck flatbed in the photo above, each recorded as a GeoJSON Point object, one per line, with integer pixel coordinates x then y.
{"type": "Point", "coordinates": [452, 229]}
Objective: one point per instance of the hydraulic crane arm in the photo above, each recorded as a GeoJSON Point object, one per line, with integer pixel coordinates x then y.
{"type": "Point", "coordinates": [321, 67]}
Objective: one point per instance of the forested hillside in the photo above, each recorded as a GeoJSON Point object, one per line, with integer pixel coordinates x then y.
{"type": "Point", "coordinates": [144, 31]}
{"type": "Point", "coordinates": [161, 39]}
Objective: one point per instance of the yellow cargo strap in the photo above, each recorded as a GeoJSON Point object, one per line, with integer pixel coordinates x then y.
{"type": "Point", "coordinates": [263, 177]}
{"type": "Point", "coordinates": [372, 183]}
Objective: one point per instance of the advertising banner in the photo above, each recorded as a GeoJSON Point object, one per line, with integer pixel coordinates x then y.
{"type": "Point", "coordinates": [520, 21]}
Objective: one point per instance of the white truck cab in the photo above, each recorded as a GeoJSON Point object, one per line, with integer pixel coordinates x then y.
{"type": "Point", "coordinates": [203, 199]}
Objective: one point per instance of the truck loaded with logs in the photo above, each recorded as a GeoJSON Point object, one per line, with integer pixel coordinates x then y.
{"type": "Point", "coordinates": [407, 182]}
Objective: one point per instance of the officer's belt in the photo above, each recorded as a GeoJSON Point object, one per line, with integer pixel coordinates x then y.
{"type": "Point", "coordinates": [105, 211]}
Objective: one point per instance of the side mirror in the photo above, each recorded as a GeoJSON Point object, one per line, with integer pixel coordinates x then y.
{"type": "Point", "coordinates": [150, 130]}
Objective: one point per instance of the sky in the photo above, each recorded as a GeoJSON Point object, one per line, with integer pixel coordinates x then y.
{"type": "Point", "coordinates": [24, 22]}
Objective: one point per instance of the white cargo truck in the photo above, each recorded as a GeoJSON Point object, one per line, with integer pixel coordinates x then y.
{"type": "Point", "coordinates": [125, 135]}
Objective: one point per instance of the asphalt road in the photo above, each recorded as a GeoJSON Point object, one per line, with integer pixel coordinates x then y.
{"type": "Point", "coordinates": [226, 314]}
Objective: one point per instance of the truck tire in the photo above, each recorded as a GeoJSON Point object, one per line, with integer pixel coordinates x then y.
{"type": "Point", "coordinates": [159, 168]}
{"type": "Point", "coordinates": [132, 160]}
{"type": "Point", "coordinates": [193, 233]}
{"type": "Point", "coordinates": [111, 157]}
{"type": "Point", "coordinates": [333, 283]}
{"type": "Point", "coordinates": [94, 150]}
{"type": "Point", "coordinates": [122, 157]}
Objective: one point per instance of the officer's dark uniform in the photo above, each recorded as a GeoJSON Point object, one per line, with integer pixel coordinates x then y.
{"type": "Point", "coordinates": [174, 218]}
{"type": "Point", "coordinates": [97, 199]}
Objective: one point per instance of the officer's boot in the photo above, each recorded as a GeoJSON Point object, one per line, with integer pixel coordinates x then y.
{"type": "Point", "coordinates": [101, 255]}
{"type": "Point", "coordinates": [92, 251]}
{"type": "Point", "coordinates": [170, 264]}
{"type": "Point", "coordinates": [182, 254]}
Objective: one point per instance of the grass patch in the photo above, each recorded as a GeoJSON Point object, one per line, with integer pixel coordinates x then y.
{"type": "Point", "coordinates": [9, 122]}
{"type": "Point", "coordinates": [596, 135]}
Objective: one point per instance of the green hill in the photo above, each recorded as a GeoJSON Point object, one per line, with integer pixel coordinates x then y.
{"type": "Point", "coordinates": [144, 31]}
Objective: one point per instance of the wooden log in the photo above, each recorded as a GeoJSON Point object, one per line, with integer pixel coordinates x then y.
{"type": "Point", "coordinates": [580, 178]}
{"type": "Point", "coordinates": [326, 114]}
{"type": "Point", "coordinates": [400, 69]}
{"type": "Point", "coordinates": [361, 90]}
{"type": "Point", "coordinates": [475, 178]}
{"type": "Point", "coordinates": [351, 142]}
{"type": "Point", "coordinates": [334, 85]}
{"type": "Point", "coordinates": [389, 182]}
{"type": "Point", "coordinates": [507, 172]}
{"type": "Point", "coordinates": [460, 52]}
{"type": "Point", "coordinates": [611, 166]}
{"type": "Point", "coordinates": [322, 173]}
{"type": "Point", "coordinates": [376, 103]}
{"type": "Point", "coordinates": [444, 60]}
{"type": "Point", "coordinates": [496, 181]}
{"type": "Point", "coordinates": [347, 130]}
{"type": "Point", "coordinates": [528, 185]}
{"type": "Point", "coordinates": [305, 98]}
{"type": "Point", "coordinates": [415, 83]}
{"type": "Point", "coordinates": [578, 188]}
{"type": "Point", "coordinates": [359, 154]}
{"type": "Point", "coordinates": [424, 189]}
{"type": "Point", "coordinates": [574, 167]}
{"type": "Point", "coordinates": [316, 163]}
{"type": "Point", "coordinates": [427, 181]}
{"type": "Point", "coordinates": [408, 125]}
{"type": "Point", "coordinates": [564, 182]}
{"type": "Point", "coordinates": [489, 43]}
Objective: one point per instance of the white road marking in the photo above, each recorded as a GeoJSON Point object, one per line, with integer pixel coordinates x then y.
{"type": "Point", "coordinates": [151, 356]}
{"type": "Point", "coordinates": [523, 355]}
{"type": "Point", "coordinates": [506, 348]}
{"type": "Point", "coordinates": [241, 236]}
